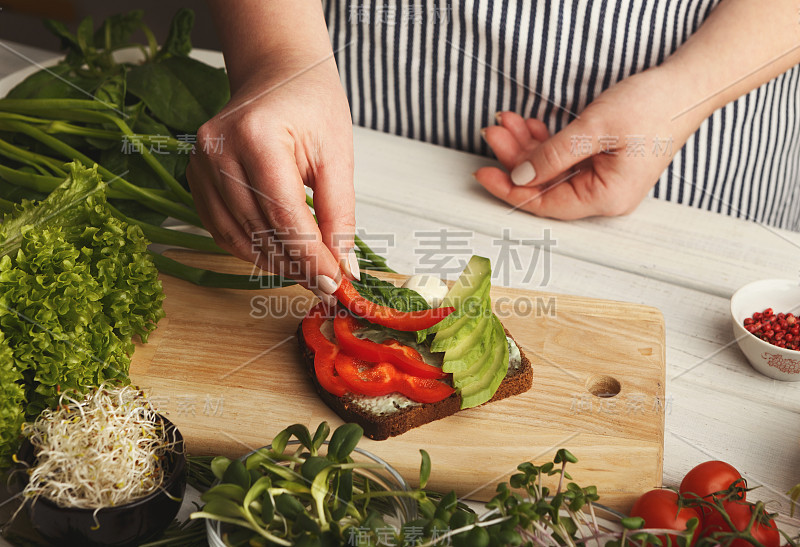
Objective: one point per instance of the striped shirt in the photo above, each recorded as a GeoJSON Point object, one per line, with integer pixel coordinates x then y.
{"type": "Point", "coordinates": [437, 71]}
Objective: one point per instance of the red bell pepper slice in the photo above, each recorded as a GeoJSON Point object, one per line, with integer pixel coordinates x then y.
{"type": "Point", "coordinates": [405, 358]}
{"type": "Point", "coordinates": [386, 316]}
{"type": "Point", "coordinates": [383, 379]}
{"type": "Point", "coordinates": [423, 390]}
{"type": "Point", "coordinates": [366, 378]}
{"type": "Point", "coordinates": [325, 351]}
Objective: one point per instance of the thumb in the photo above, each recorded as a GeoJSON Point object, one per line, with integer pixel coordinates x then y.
{"type": "Point", "coordinates": [556, 155]}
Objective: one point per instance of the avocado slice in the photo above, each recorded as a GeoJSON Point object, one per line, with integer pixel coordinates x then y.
{"type": "Point", "coordinates": [480, 391]}
{"type": "Point", "coordinates": [470, 297]}
{"type": "Point", "coordinates": [481, 365]}
{"type": "Point", "coordinates": [466, 293]}
{"type": "Point", "coordinates": [471, 347]}
{"type": "Point", "coordinates": [477, 270]}
{"type": "Point", "coordinates": [466, 305]}
{"type": "Point", "coordinates": [453, 335]}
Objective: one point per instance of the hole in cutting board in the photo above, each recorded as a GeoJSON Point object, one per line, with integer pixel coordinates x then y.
{"type": "Point", "coordinates": [604, 386]}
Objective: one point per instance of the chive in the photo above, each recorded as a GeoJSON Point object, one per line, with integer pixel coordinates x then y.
{"type": "Point", "coordinates": [207, 278]}
{"type": "Point", "coordinates": [165, 236]}
{"type": "Point", "coordinates": [143, 195]}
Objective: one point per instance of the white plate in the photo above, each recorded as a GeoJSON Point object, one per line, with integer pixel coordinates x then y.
{"type": "Point", "coordinates": [127, 55]}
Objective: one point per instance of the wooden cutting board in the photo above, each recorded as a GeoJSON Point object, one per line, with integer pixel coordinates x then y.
{"type": "Point", "coordinates": [224, 366]}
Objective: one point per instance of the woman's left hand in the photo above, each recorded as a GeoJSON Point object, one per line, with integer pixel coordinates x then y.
{"type": "Point", "coordinates": [603, 163]}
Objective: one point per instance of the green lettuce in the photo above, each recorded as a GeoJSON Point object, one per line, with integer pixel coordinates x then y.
{"type": "Point", "coordinates": [12, 398]}
{"type": "Point", "coordinates": [76, 285]}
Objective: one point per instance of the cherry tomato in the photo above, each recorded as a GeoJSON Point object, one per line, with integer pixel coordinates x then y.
{"type": "Point", "coordinates": [659, 509]}
{"type": "Point", "coordinates": [709, 478]}
{"type": "Point", "coordinates": [764, 529]}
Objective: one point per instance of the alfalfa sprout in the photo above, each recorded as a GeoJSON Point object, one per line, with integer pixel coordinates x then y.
{"type": "Point", "coordinates": [103, 451]}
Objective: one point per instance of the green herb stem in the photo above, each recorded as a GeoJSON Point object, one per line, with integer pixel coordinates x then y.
{"type": "Point", "coordinates": [165, 236]}
{"type": "Point", "coordinates": [32, 159]}
{"type": "Point", "coordinates": [208, 278]}
{"type": "Point", "coordinates": [47, 183]}
{"type": "Point", "coordinates": [180, 192]}
{"type": "Point", "coordinates": [379, 263]}
{"type": "Point", "coordinates": [143, 195]}
{"type": "Point", "coordinates": [35, 106]}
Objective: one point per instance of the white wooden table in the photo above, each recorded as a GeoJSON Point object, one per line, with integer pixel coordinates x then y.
{"type": "Point", "coordinates": [683, 261]}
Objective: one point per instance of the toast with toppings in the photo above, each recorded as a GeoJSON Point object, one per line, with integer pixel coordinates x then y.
{"type": "Point", "coordinates": [388, 360]}
{"type": "Point", "coordinates": [388, 416]}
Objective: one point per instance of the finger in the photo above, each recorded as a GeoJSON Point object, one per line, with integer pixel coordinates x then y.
{"type": "Point", "coordinates": [556, 155]}
{"type": "Point", "coordinates": [558, 199]}
{"type": "Point", "coordinates": [280, 192]}
{"type": "Point", "coordinates": [205, 197]}
{"type": "Point", "coordinates": [516, 125]}
{"type": "Point", "coordinates": [495, 180]}
{"type": "Point", "coordinates": [237, 193]}
{"type": "Point", "coordinates": [504, 145]}
{"type": "Point", "coordinates": [334, 204]}
{"type": "Point", "coordinates": [223, 227]}
{"type": "Point", "coordinates": [260, 248]}
{"type": "Point", "coordinates": [538, 130]}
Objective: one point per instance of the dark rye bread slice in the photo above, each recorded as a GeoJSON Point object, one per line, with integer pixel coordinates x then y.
{"type": "Point", "coordinates": [382, 426]}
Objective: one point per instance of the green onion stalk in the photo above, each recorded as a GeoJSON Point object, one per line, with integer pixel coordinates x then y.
{"type": "Point", "coordinates": [40, 168]}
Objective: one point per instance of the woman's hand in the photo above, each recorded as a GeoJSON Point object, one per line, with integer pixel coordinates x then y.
{"type": "Point", "coordinates": [739, 47]}
{"type": "Point", "coordinates": [603, 163]}
{"type": "Point", "coordinates": [287, 126]}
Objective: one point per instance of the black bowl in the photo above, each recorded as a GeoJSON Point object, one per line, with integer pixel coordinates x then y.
{"type": "Point", "coordinates": [126, 525]}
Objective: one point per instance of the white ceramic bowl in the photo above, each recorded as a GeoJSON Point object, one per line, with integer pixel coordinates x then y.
{"type": "Point", "coordinates": [782, 295]}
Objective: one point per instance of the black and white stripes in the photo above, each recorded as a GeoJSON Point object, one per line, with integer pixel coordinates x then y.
{"type": "Point", "coordinates": [437, 71]}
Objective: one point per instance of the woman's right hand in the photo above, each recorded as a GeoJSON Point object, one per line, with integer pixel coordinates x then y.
{"type": "Point", "coordinates": [287, 126]}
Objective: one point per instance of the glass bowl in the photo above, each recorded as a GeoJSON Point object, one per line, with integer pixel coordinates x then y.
{"type": "Point", "coordinates": [396, 511]}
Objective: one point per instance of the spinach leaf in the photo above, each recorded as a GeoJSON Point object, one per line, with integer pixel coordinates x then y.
{"type": "Point", "coordinates": [112, 91]}
{"type": "Point", "coordinates": [131, 163]}
{"type": "Point", "coordinates": [68, 40]}
{"type": "Point", "coordinates": [386, 294]}
{"type": "Point", "coordinates": [179, 39]}
{"type": "Point", "coordinates": [182, 92]}
{"type": "Point", "coordinates": [85, 36]}
{"type": "Point", "coordinates": [115, 33]}
{"type": "Point", "coordinates": [57, 82]}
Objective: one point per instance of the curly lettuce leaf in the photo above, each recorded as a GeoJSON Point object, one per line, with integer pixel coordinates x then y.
{"type": "Point", "coordinates": [76, 284]}
{"type": "Point", "coordinates": [12, 397]}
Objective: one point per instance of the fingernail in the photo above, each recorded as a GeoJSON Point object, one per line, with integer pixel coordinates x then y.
{"type": "Point", "coordinates": [350, 265]}
{"type": "Point", "coordinates": [326, 285]}
{"type": "Point", "coordinates": [498, 116]}
{"type": "Point", "coordinates": [328, 299]}
{"type": "Point", "coordinates": [483, 133]}
{"type": "Point", "coordinates": [523, 173]}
